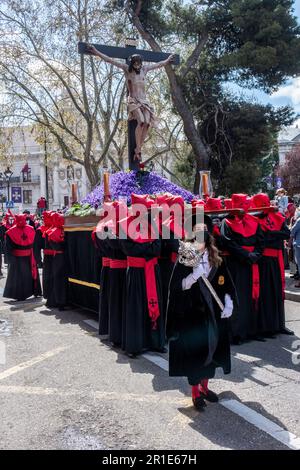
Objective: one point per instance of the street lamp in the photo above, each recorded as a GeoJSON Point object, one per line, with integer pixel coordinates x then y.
{"type": "Point", "coordinates": [8, 174]}
{"type": "Point", "coordinates": [2, 197]}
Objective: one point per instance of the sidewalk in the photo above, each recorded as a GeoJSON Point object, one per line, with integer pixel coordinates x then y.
{"type": "Point", "coordinates": [291, 292]}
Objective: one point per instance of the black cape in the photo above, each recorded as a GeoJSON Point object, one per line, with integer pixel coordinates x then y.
{"type": "Point", "coordinates": [166, 266]}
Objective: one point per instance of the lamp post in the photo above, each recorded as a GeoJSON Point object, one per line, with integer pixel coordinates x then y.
{"type": "Point", "coordinates": [8, 174]}
{"type": "Point", "coordinates": [46, 165]}
{"type": "Point", "coordinates": [2, 197]}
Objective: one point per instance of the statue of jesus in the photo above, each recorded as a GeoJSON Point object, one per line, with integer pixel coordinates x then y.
{"type": "Point", "coordinates": [139, 107]}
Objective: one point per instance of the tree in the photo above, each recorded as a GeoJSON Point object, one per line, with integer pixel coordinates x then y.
{"type": "Point", "coordinates": [255, 43]}
{"type": "Point", "coordinates": [78, 101]}
{"type": "Point", "coordinates": [290, 171]}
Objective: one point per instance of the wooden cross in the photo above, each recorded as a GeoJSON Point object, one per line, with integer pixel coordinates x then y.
{"type": "Point", "coordinates": [125, 53]}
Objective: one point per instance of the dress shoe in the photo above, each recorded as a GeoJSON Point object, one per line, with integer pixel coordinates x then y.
{"type": "Point", "coordinates": [210, 396]}
{"type": "Point", "coordinates": [270, 335]}
{"type": "Point", "coordinates": [286, 331]}
{"type": "Point", "coordinates": [236, 340]}
{"type": "Point", "coordinates": [259, 338]}
{"type": "Point", "coordinates": [132, 355]}
{"type": "Point", "coordinates": [160, 350]}
{"type": "Point", "coordinates": [199, 403]}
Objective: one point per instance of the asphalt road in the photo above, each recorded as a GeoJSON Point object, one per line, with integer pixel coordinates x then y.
{"type": "Point", "coordinates": [61, 387]}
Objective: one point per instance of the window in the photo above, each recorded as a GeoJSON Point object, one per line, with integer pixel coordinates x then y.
{"type": "Point", "coordinates": [27, 196]}
{"type": "Point", "coordinates": [66, 201]}
{"type": "Point", "coordinates": [27, 175]}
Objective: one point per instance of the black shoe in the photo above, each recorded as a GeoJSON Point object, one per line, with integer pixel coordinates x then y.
{"type": "Point", "coordinates": [270, 335]}
{"type": "Point", "coordinates": [210, 396]}
{"type": "Point", "coordinates": [160, 350]}
{"type": "Point", "coordinates": [259, 338]}
{"type": "Point", "coordinates": [132, 355]}
{"type": "Point", "coordinates": [236, 340]}
{"type": "Point", "coordinates": [199, 403]}
{"type": "Point", "coordinates": [286, 331]}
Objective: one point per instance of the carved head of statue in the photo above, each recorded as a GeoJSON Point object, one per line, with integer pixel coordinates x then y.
{"type": "Point", "coordinates": [136, 63]}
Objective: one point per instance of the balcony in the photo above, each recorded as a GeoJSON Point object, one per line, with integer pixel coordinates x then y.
{"type": "Point", "coordinates": [33, 180]}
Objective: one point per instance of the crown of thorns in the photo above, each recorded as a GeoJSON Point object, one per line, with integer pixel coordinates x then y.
{"type": "Point", "coordinates": [135, 58]}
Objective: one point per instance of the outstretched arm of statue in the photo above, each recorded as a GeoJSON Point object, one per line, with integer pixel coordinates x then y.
{"type": "Point", "coordinates": [92, 50]}
{"type": "Point", "coordinates": [158, 65]}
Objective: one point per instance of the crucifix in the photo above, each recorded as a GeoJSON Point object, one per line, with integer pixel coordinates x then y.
{"type": "Point", "coordinates": [140, 112]}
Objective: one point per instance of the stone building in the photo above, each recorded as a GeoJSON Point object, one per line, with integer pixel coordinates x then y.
{"type": "Point", "coordinates": [32, 168]}
{"type": "Point", "coordinates": [287, 138]}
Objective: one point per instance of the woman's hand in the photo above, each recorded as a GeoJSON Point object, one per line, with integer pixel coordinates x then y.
{"type": "Point", "coordinates": [228, 309]}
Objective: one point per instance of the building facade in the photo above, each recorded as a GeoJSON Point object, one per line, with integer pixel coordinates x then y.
{"type": "Point", "coordinates": [287, 139]}
{"type": "Point", "coordinates": [35, 173]}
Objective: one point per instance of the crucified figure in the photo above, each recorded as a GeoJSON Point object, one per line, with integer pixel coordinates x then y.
{"type": "Point", "coordinates": [139, 107]}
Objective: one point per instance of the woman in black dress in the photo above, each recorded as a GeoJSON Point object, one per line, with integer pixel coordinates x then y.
{"type": "Point", "coordinates": [197, 319]}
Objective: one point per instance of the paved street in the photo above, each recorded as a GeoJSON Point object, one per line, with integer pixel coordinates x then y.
{"type": "Point", "coordinates": [62, 388]}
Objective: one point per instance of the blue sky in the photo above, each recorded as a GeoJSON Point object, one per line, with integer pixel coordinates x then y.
{"type": "Point", "coordinates": [288, 94]}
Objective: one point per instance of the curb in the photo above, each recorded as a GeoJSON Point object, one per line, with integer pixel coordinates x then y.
{"type": "Point", "coordinates": [293, 296]}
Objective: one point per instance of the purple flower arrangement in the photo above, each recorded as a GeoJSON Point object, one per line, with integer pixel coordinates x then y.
{"type": "Point", "coordinates": [125, 183]}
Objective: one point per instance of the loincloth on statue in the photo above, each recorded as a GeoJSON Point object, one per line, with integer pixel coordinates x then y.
{"type": "Point", "coordinates": [133, 104]}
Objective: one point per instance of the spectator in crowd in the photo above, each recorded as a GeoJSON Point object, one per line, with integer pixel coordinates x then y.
{"type": "Point", "coordinates": [282, 200]}
{"type": "Point", "coordinates": [29, 219]}
{"type": "Point", "coordinates": [295, 234]}
{"type": "Point", "coordinates": [41, 205]}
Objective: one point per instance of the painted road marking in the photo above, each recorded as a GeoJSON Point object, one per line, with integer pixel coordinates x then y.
{"type": "Point", "coordinates": [93, 323]}
{"type": "Point", "coordinates": [31, 362]}
{"type": "Point", "coordinates": [158, 360]}
{"type": "Point", "coordinates": [265, 424]}
{"type": "Point", "coordinates": [259, 421]}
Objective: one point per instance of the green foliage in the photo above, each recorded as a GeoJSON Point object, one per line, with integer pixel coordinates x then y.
{"type": "Point", "coordinates": [242, 137]}
{"type": "Point", "coordinates": [290, 171]}
{"type": "Point", "coordinates": [81, 210]}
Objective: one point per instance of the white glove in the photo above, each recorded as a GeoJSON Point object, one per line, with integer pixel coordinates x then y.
{"type": "Point", "coordinates": [227, 312]}
{"type": "Point", "coordinates": [203, 268]}
{"type": "Point", "coordinates": [188, 281]}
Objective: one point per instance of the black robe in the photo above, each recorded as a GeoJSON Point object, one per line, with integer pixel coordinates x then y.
{"type": "Point", "coordinates": [138, 335]}
{"type": "Point", "coordinates": [244, 320]}
{"type": "Point", "coordinates": [57, 281]}
{"type": "Point", "coordinates": [117, 287]}
{"type": "Point", "coordinates": [104, 250]}
{"type": "Point", "coordinates": [38, 246]}
{"type": "Point", "coordinates": [198, 337]}
{"type": "Point", "coordinates": [271, 303]}
{"type": "Point", "coordinates": [19, 283]}
{"type": "Point", "coordinates": [47, 269]}
{"type": "Point", "coordinates": [166, 265]}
